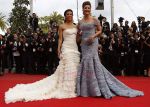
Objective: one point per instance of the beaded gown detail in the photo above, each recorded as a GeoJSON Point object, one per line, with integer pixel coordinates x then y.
{"type": "Point", "coordinates": [93, 79]}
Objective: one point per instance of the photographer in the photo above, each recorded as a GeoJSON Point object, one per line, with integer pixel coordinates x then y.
{"type": "Point", "coordinates": [135, 55]}
{"type": "Point", "coordinates": [8, 56]}
{"type": "Point", "coordinates": [146, 58]}
{"type": "Point", "coordinates": [142, 23]}
{"type": "Point", "coordinates": [121, 24]}
{"type": "Point", "coordinates": [34, 22]}
{"type": "Point", "coordinates": [125, 28]}
{"type": "Point", "coordinates": [2, 49]}
{"type": "Point", "coordinates": [53, 59]}
{"type": "Point", "coordinates": [115, 28]}
{"type": "Point", "coordinates": [122, 52]}
{"type": "Point", "coordinates": [105, 26]}
{"type": "Point", "coordinates": [134, 26]}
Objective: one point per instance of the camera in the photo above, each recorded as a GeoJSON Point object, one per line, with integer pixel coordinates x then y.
{"type": "Point", "coordinates": [142, 23]}
{"type": "Point", "coordinates": [139, 18]}
{"type": "Point", "coordinates": [121, 19]}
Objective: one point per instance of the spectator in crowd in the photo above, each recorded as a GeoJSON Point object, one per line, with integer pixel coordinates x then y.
{"type": "Point", "coordinates": [8, 56]}
{"type": "Point", "coordinates": [2, 47]}
{"type": "Point", "coordinates": [105, 26]}
{"type": "Point", "coordinates": [125, 28]}
{"type": "Point", "coordinates": [146, 59]}
{"type": "Point", "coordinates": [134, 26]}
{"type": "Point", "coordinates": [34, 22]}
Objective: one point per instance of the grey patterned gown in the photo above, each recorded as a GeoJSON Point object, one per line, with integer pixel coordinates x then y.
{"type": "Point", "coordinates": [93, 79]}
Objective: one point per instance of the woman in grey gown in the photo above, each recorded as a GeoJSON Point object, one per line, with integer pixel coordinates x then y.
{"type": "Point", "coordinates": [93, 79]}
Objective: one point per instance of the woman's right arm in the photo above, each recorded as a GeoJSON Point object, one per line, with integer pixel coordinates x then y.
{"type": "Point", "coordinates": [60, 32]}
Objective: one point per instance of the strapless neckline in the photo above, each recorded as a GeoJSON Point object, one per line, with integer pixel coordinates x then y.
{"type": "Point", "coordinates": [70, 28]}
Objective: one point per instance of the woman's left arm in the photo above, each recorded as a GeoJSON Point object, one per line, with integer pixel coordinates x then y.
{"type": "Point", "coordinates": [98, 28]}
{"type": "Point", "coordinates": [98, 32]}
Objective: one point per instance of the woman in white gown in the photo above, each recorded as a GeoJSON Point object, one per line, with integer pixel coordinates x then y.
{"type": "Point", "coordinates": [62, 83]}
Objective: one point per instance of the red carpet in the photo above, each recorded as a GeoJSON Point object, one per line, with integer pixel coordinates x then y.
{"type": "Point", "coordinates": [140, 83]}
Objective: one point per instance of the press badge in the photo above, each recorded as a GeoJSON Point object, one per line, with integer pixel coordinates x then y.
{"type": "Point", "coordinates": [26, 45]}
{"type": "Point", "coordinates": [19, 44]}
{"type": "Point", "coordinates": [136, 51]}
{"type": "Point", "coordinates": [122, 53]}
{"type": "Point", "coordinates": [34, 50]}
{"type": "Point", "coordinates": [50, 49]}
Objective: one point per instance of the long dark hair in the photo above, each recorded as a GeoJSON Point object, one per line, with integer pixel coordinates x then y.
{"type": "Point", "coordinates": [68, 10]}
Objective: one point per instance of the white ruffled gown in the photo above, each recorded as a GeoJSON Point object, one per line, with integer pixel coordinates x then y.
{"type": "Point", "coordinates": [59, 85]}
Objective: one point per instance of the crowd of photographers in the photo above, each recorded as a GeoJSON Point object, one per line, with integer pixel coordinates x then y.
{"type": "Point", "coordinates": [123, 49]}
{"type": "Point", "coordinates": [33, 52]}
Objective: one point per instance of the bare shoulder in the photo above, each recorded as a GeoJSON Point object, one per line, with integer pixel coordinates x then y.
{"type": "Point", "coordinates": [62, 26]}
{"type": "Point", "coordinates": [95, 19]}
{"type": "Point", "coordinates": [81, 20]}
